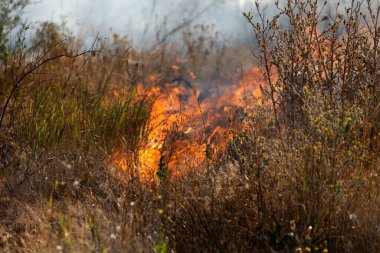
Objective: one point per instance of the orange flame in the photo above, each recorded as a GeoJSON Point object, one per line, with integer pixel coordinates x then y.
{"type": "Point", "coordinates": [184, 125]}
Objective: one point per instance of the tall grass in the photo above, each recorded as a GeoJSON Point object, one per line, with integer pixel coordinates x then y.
{"type": "Point", "coordinates": [300, 175]}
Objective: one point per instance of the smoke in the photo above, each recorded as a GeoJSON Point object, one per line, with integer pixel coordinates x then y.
{"type": "Point", "coordinates": [141, 19]}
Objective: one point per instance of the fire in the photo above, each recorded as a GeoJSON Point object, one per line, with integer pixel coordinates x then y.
{"type": "Point", "coordinates": [188, 121]}
{"type": "Point", "coordinates": [193, 121]}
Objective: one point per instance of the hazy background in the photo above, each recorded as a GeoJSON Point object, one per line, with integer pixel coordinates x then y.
{"type": "Point", "coordinates": [141, 19]}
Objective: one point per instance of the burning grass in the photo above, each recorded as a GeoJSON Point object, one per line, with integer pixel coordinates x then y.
{"type": "Point", "coordinates": [119, 150]}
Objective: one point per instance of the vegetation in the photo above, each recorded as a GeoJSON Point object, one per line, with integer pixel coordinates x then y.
{"type": "Point", "coordinates": [9, 20]}
{"type": "Point", "coordinates": [299, 173]}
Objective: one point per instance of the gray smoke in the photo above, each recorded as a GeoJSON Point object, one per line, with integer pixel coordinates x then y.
{"type": "Point", "coordinates": [141, 19]}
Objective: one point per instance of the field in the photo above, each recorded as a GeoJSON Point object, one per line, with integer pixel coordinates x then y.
{"type": "Point", "coordinates": [203, 147]}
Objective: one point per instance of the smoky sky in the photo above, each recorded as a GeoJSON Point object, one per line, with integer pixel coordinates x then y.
{"type": "Point", "coordinates": [141, 19]}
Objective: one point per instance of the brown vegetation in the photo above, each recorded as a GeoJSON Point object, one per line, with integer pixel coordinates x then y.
{"type": "Point", "coordinates": [295, 169]}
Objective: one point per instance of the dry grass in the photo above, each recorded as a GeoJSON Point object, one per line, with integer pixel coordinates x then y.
{"type": "Point", "coordinates": [300, 175]}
